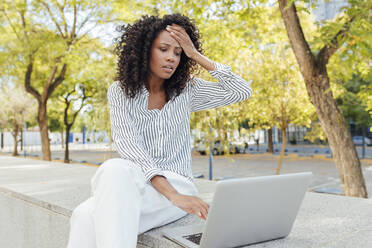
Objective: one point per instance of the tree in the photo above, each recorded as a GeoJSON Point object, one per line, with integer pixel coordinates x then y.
{"type": "Point", "coordinates": [82, 94]}
{"type": "Point", "coordinates": [313, 67]}
{"type": "Point", "coordinates": [45, 51]}
{"type": "Point", "coordinates": [280, 98]}
{"type": "Point", "coordinates": [16, 109]}
{"type": "Point", "coordinates": [85, 84]}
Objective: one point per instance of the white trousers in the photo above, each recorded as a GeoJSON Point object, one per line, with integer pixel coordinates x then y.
{"type": "Point", "coordinates": [122, 205]}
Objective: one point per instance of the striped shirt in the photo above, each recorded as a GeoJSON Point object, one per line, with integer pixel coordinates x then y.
{"type": "Point", "coordinates": [159, 140]}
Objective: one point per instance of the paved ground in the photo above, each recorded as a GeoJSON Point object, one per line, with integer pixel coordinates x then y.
{"type": "Point", "coordinates": [324, 170]}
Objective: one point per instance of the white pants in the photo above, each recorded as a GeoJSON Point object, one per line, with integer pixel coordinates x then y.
{"type": "Point", "coordinates": [122, 206]}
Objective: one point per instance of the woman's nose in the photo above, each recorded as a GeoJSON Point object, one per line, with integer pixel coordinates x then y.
{"type": "Point", "coordinates": [171, 57]}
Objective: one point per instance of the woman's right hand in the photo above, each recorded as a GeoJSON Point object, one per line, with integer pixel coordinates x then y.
{"type": "Point", "coordinates": [191, 204]}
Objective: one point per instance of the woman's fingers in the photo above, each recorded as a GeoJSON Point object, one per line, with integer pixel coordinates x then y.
{"type": "Point", "coordinates": [193, 205]}
{"type": "Point", "coordinates": [204, 213]}
{"type": "Point", "coordinates": [178, 28]}
{"type": "Point", "coordinates": [178, 32]}
{"type": "Point", "coordinates": [204, 205]}
{"type": "Point", "coordinates": [179, 36]}
{"type": "Point", "coordinates": [202, 209]}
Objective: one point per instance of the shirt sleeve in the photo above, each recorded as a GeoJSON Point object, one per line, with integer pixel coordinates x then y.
{"type": "Point", "coordinates": [127, 140]}
{"type": "Point", "coordinates": [230, 89]}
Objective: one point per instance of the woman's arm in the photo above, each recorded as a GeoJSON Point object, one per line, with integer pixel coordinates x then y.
{"type": "Point", "coordinates": [230, 88]}
{"type": "Point", "coordinates": [189, 204]}
{"type": "Point", "coordinates": [203, 61]}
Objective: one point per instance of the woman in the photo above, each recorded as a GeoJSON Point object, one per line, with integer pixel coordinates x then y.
{"type": "Point", "coordinates": [150, 106]}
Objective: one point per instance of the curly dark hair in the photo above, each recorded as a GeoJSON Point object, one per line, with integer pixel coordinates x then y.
{"type": "Point", "coordinates": [133, 48]}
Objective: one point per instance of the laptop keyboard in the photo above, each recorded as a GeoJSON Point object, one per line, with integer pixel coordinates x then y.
{"type": "Point", "coordinates": [195, 238]}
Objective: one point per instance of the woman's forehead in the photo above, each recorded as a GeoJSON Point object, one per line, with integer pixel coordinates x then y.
{"type": "Point", "coordinates": [164, 37]}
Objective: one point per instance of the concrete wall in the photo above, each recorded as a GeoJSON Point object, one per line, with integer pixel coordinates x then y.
{"type": "Point", "coordinates": [26, 225]}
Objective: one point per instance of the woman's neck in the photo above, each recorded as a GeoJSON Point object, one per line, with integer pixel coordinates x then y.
{"type": "Point", "coordinates": [155, 85]}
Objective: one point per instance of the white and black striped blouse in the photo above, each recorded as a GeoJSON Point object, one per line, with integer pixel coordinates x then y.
{"type": "Point", "coordinates": [158, 140]}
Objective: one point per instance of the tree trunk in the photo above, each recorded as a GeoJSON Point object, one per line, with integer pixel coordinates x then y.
{"type": "Point", "coordinates": [67, 152]}
{"type": "Point", "coordinates": [284, 143]}
{"type": "Point", "coordinates": [339, 138]}
{"type": "Point", "coordinates": [15, 138]}
{"type": "Point", "coordinates": [314, 71]}
{"type": "Point", "coordinates": [62, 140]}
{"type": "Point", "coordinates": [43, 125]}
{"type": "Point", "coordinates": [50, 85]}
{"type": "Point", "coordinates": [363, 143]}
{"type": "Point", "coordinates": [270, 145]}
{"type": "Point", "coordinates": [2, 140]}
{"type": "Point", "coordinates": [21, 139]}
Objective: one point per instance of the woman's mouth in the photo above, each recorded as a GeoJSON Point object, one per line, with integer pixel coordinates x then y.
{"type": "Point", "coordinates": [167, 69]}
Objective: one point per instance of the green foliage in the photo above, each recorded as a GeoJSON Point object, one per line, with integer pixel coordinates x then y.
{"type": "Point", "coordinates": [55, 117]}
{"type": "Point", "coordinates": [247, 35]}
{"type": "Point", "coordinates": [280, 97]}
{"type": "Point", "coordinates": [94, 74]}
{"type": "Point", "coordinates": [52, 33]}
{"type": "Point", "coordinates": [351, 102]}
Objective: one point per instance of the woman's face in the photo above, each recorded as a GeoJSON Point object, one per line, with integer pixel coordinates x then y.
{"type": "Point", "coordinates": [165, 56]}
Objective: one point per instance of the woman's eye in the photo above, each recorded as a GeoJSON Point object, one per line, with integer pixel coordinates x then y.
{"type": "Point", "coordinates": [163, 49]}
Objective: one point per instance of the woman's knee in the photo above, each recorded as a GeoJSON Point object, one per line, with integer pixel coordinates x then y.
{"type": "Point", "coordinates": [121, 171]}
{"type": "Point", "coordinates": [117, 167]}
{"type": "Point", "coordinates": [118, 173]}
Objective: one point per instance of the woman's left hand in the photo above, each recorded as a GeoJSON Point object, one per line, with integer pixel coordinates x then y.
{"type": "Point", "coordinates": [180, 35]}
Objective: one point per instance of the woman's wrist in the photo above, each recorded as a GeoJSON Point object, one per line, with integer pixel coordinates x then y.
{"type": "Point", "coordinates": [161, 184]}
{"type": "Point", "coordinates": [194, 55]}
{"type": "Point", "coordinates": [203, 61]}
{"type": "Point", "coordinates": [172, 196]}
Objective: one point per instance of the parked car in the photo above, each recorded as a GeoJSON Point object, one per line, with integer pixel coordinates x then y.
{"type": "Point", "coordinates": [358, 141]}
{"type": "Point", "coordinates": [242, 146]}
{"type": "Point", "coordinates": [218, 148]}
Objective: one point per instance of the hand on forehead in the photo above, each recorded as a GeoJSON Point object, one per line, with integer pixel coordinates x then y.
{"type": "Point", "coordinates": [178, 27]}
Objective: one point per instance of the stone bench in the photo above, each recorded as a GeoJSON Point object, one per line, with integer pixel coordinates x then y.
{"type": "Point", "coordinates": [37, 199]}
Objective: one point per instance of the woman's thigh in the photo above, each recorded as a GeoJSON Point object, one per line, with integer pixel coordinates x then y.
{"type": "Point", "coordinates": [118, 168]}
{"type": "Point", "coordinates": [156, 210]}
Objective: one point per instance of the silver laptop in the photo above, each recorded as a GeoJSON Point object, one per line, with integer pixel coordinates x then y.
{"type": "Point", "coordinates": [247, 211]}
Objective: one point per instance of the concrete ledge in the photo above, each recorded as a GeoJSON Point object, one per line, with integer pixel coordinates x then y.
{"type": "Point", "coordinates": [37, 199]}
{"type": "Point", "coordinates": [24, 224]}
